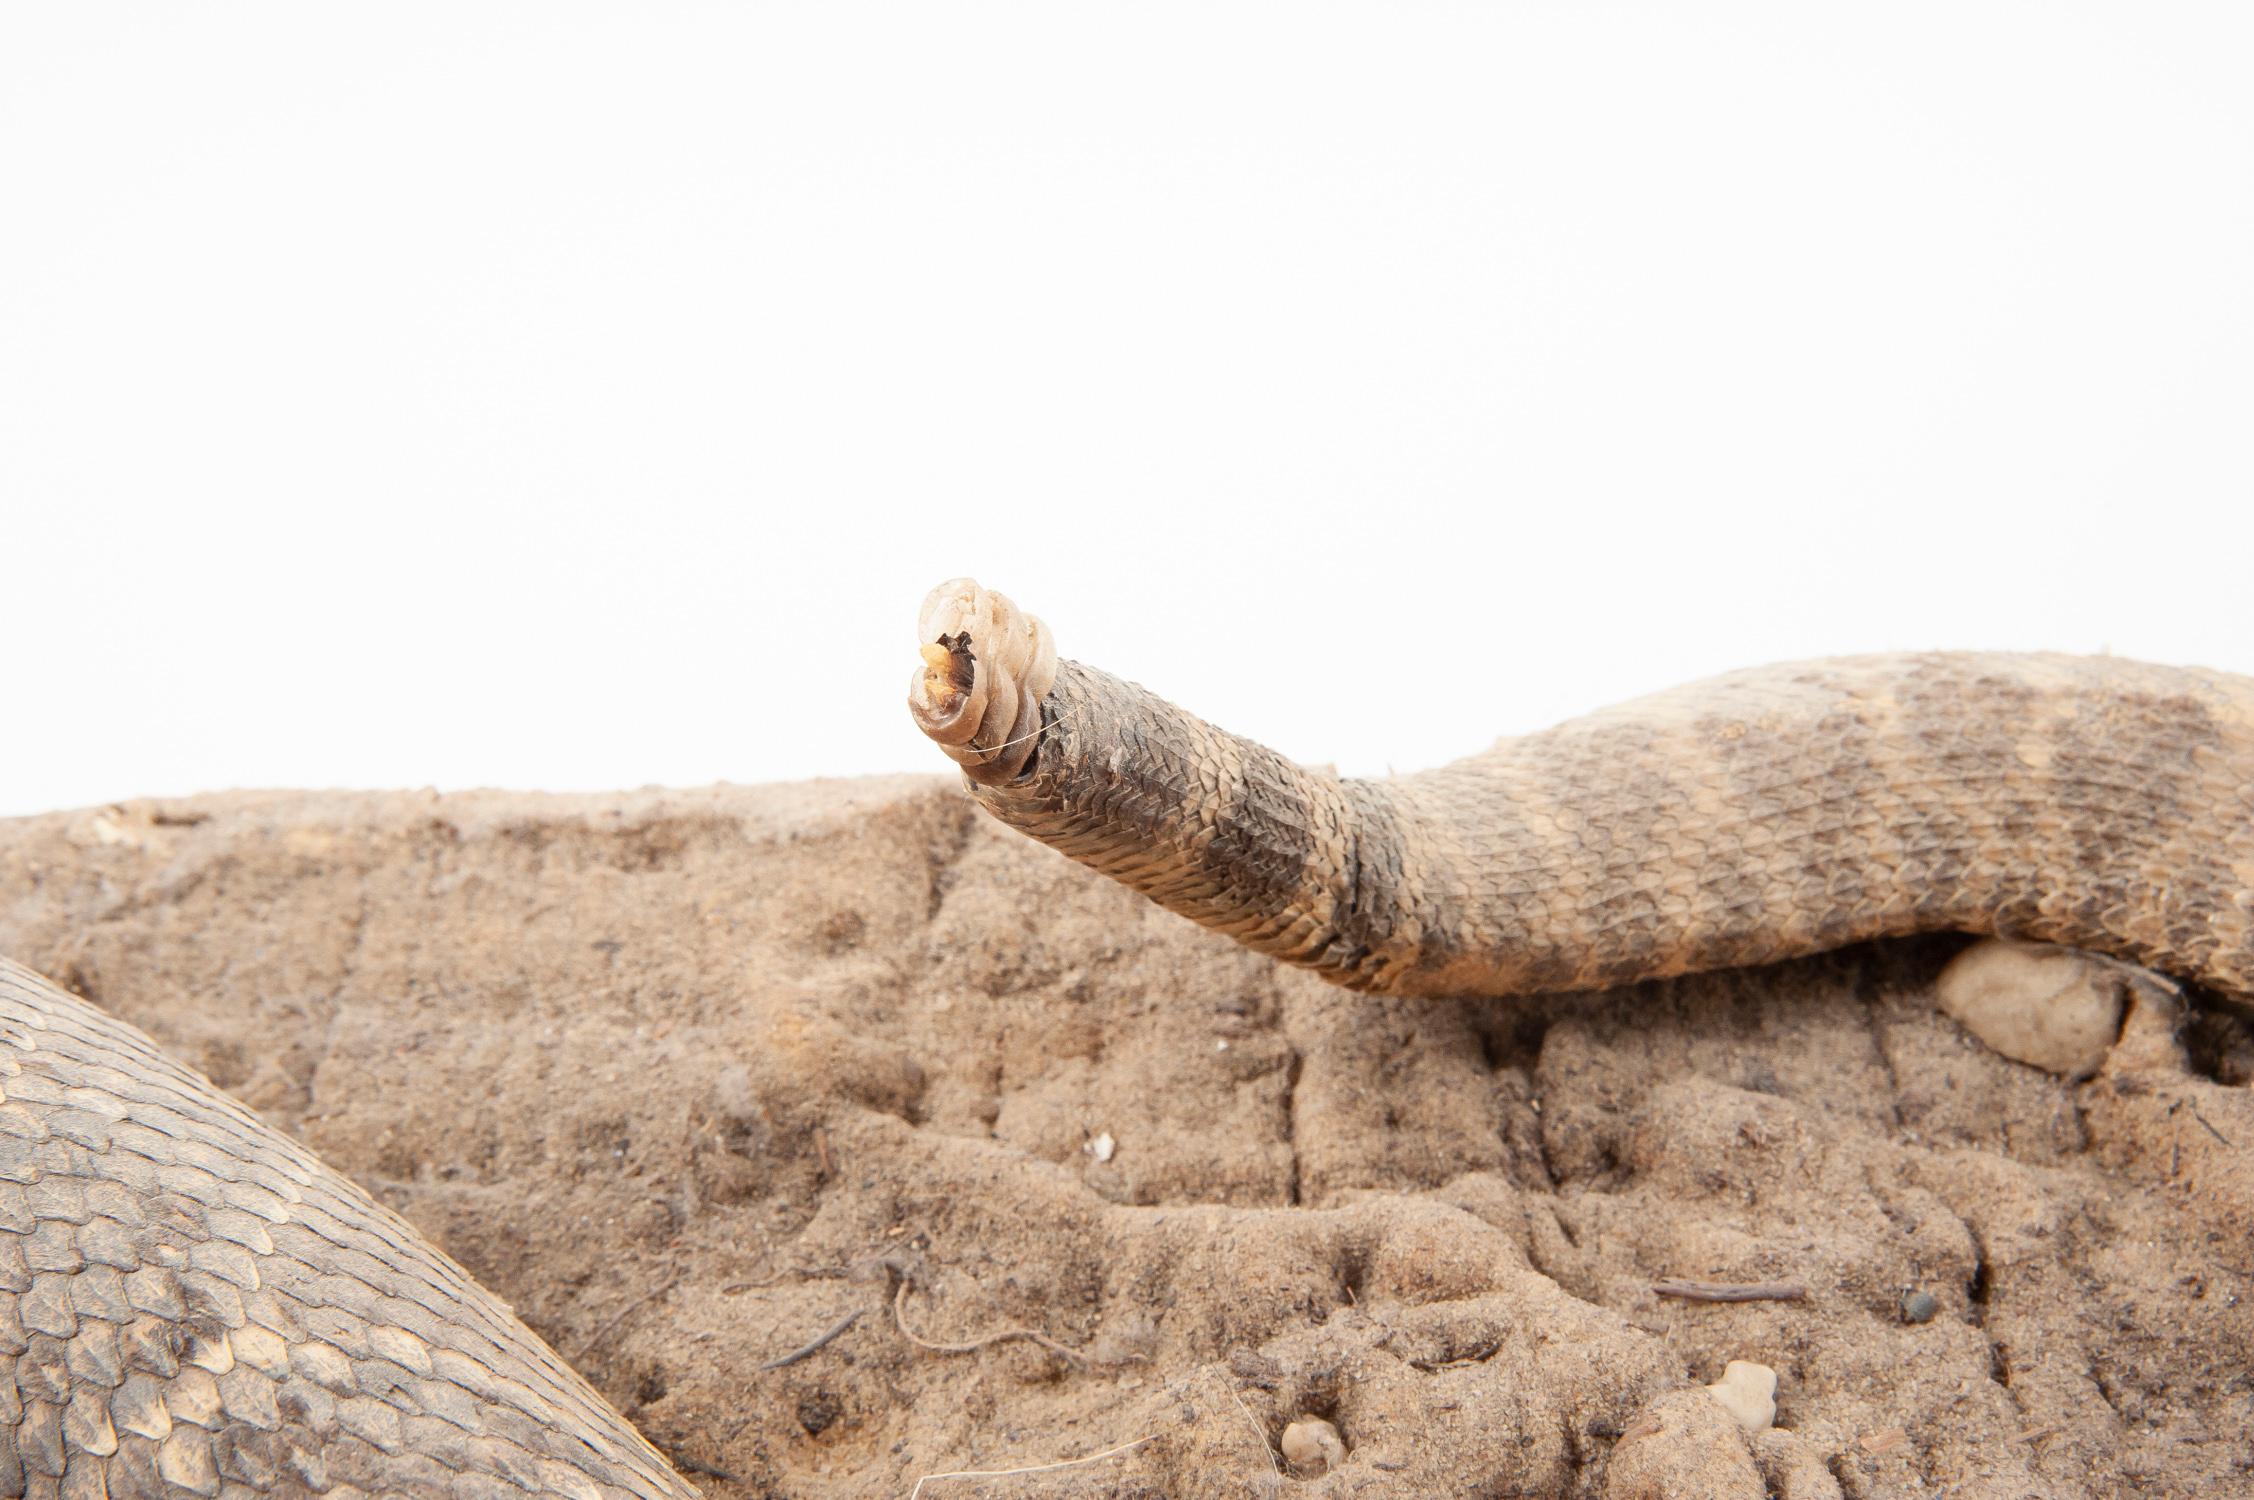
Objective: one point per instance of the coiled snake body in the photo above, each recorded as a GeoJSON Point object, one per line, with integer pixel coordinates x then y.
{"type": "Point", "coordinates": [192, 1304]}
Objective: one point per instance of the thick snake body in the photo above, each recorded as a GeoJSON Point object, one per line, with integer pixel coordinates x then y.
{"type": "Point", "coordinates": [2095, 802]}
{"type": "Point", "coordinates": [191, 1304]}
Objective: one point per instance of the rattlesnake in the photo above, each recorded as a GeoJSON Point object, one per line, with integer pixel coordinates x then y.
{"type": "Point", "coordinates": [2094, 802]}
{"type": "Point", "coordinates": [190, 1303]}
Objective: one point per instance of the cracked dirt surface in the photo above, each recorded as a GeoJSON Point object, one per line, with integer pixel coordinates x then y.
{"type": "Point", "coordinates": [688, 1077]}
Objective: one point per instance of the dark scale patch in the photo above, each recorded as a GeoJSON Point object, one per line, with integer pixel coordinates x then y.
{"type": "Point", "coordinates": [1621, 783]}
{"type": "Point", "coordinates": [2126, 784]}
{"type": "Point", "coordinates": [1214, 827]}
{"type": "Point", "coordinates": [1407, 920]}
{"type": "Point", "coordinates": [1848, 769]}
{"type": "Point", "coordinates": [1263, 847]}
{"type": "Point", "coordinates": [1481, 892]}
{"type": "Point", "coordinates": [1967, 731]}
{"type": "Point", "coordinates": [1798, 862]}
{"type": "Point", "coordinates": [1364, 922]}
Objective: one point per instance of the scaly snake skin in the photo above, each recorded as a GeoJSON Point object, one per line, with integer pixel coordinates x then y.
{"type": "Point", "coordinates": [2095, 802]}
{"type": "Point", "coordinates": [192, 1305]}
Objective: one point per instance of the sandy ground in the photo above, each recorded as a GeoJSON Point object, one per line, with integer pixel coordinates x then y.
{"type": "Point", "coordinates": [691, 1077]}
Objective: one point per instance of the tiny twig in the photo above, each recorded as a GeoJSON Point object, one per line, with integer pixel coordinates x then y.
{"type": "Point", "coordinates": [1456, 1361]}
{"type": "Point", "coordinates": [819, 1342]}
{"type": "Point", "coordinates": [1047, 723]}
{"type": "Point", "coordinates": [804, 1273]}
{"type": "Point", "coordinates": [2210, 1129]}
{"type": "Point", "coordinates": [1259, 1432]}
{"type": "Point", "coordinates": [900, 1320]}
{"type": "Point", "coordinates": [1065, 1463]}
{"type": "Point", "coordinates": [623, 1313]}
{"type": "Point", "coordinates": [1730, 1291]}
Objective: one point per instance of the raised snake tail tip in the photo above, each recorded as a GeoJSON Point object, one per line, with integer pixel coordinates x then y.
{"type": "Point", "coordinates": [985, 668]}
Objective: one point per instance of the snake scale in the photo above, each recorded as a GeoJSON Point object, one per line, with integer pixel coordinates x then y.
{"type": "Point", "coordinates": [193, 1305]}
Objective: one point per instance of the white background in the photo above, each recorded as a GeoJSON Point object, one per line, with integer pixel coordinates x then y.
{"type": "Point", "coordinates": [584, 396]}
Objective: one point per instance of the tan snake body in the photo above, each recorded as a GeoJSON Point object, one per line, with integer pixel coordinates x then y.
{"type": "Point", "coordinates": [2096, 802]}
{"type": "Point", "coordinates": [191, 1304]}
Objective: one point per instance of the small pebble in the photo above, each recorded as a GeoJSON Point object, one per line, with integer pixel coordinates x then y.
{"type": "Point", "coordinates": [1919, 1307]}
{"type": "Point", "coordinates": [1312, 1448]}
{"type": "Point", "coordinates": [2053, 1008]}
{"type": "Point", "coordinates": [1748, 1392]}
{"type": "Point", "coordinates": [1102, 1147]}
{"type": "Point", "coordinates": [1683, 1445]}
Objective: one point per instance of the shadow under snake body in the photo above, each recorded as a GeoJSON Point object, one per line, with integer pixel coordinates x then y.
{"type": "Point", "coordinates": [191, 1303]}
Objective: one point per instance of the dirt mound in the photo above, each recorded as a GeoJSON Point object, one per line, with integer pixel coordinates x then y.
{"type": "Point", "coordinates": [691, 1078]}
